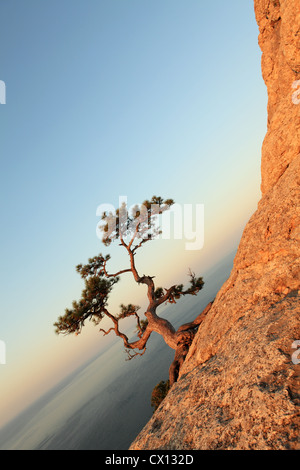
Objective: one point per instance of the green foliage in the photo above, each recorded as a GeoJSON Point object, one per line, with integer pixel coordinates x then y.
{"type": "Point", "coordinates": [127, 311]}
{"type": "Point", "coordinates": [139, 223]}
{"type": "Point", "coordinates": [144, 324]}
{"type": "Point", "coordinates": [94, 267]}
{"type": "Point", "coordinates": [91, 305]}
{"type": "Point", "coordinates": [159, 292]}
{"type": "Point", "coordinates": [141, 327]}
{"type": "Point", "coordinates": [159, 392]}
{"type": "Point", "coordinates": [196, 284]}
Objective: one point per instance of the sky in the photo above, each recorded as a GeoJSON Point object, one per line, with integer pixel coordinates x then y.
{"type": "Point", "coordinates": [108, 99]}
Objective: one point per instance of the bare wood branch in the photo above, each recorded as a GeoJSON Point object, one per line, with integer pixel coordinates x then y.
{"type": "Point", "coordinates": [140, 244]}
{"type": "Point", "coordinates": [166, 297]}
{"type": "Point", "coordinates": [118, 273]}
{"type": "Point", "coordinates": [122, 241]}
{"type": "Point", "coordinates": [106, 332]}
{"type": "Point", "coordinates": [136, 353]}
{"type": "Point", "coordinates": [140, 333]}
{"type": "Point", "coordinates": [139, 344]}
{"type": "Point", "coordinates": [134, 235]}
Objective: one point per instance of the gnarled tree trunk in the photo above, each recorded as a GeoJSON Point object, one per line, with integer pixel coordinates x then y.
{"type": "Point", "coordinates": [184, 337]}
{"type": "Point", "coordinates": [99, 283]}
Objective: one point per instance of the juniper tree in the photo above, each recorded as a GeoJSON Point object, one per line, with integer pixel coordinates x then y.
{"type": "Point", "coordinates": [159, 392]}
{"type": "Point", "coordinates": [133, 231]}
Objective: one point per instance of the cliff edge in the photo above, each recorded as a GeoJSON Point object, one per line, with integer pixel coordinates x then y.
{"type": "Point", "coordinates": [239, 387]}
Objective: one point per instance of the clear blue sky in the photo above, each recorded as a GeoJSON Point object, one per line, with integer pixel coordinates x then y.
{"type": "Point", "coordinates": [107, 98]}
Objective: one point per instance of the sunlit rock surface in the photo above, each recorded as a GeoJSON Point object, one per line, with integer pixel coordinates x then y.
{"type": "Point", "coordinates": [240, 385]}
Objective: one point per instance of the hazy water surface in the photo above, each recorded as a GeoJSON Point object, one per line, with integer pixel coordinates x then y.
{"type": "Point", "coordinates": [105, 403]}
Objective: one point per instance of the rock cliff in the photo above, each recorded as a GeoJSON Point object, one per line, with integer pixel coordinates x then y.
{"type": "Point", "coordinates": [239, 387]}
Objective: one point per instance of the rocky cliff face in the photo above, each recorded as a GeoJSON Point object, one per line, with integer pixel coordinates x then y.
{"type": "Point", "coordinates": [239, 387]}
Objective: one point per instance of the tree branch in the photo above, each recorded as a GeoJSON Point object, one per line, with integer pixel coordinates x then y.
{"type": "Point", "coordinates": [166, 297]}
{"type": "Point", "coordinates": [140, 244]}
{"type": "Point", "coordinates": [106, 332]}
{"type": "Point", "coordinates": [139, 326]}
{"type": "Point", "coordinates": [134, 235]}
{"type": "Point", "coordinates": [139, 344]}
{"type": "Point", "coordinates": [136, 353]}
{"type": "Point", "coordinates": [198, 320]}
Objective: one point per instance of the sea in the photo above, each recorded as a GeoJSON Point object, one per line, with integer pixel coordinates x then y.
{"type": "Point", "coordinates": [105, 403]}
